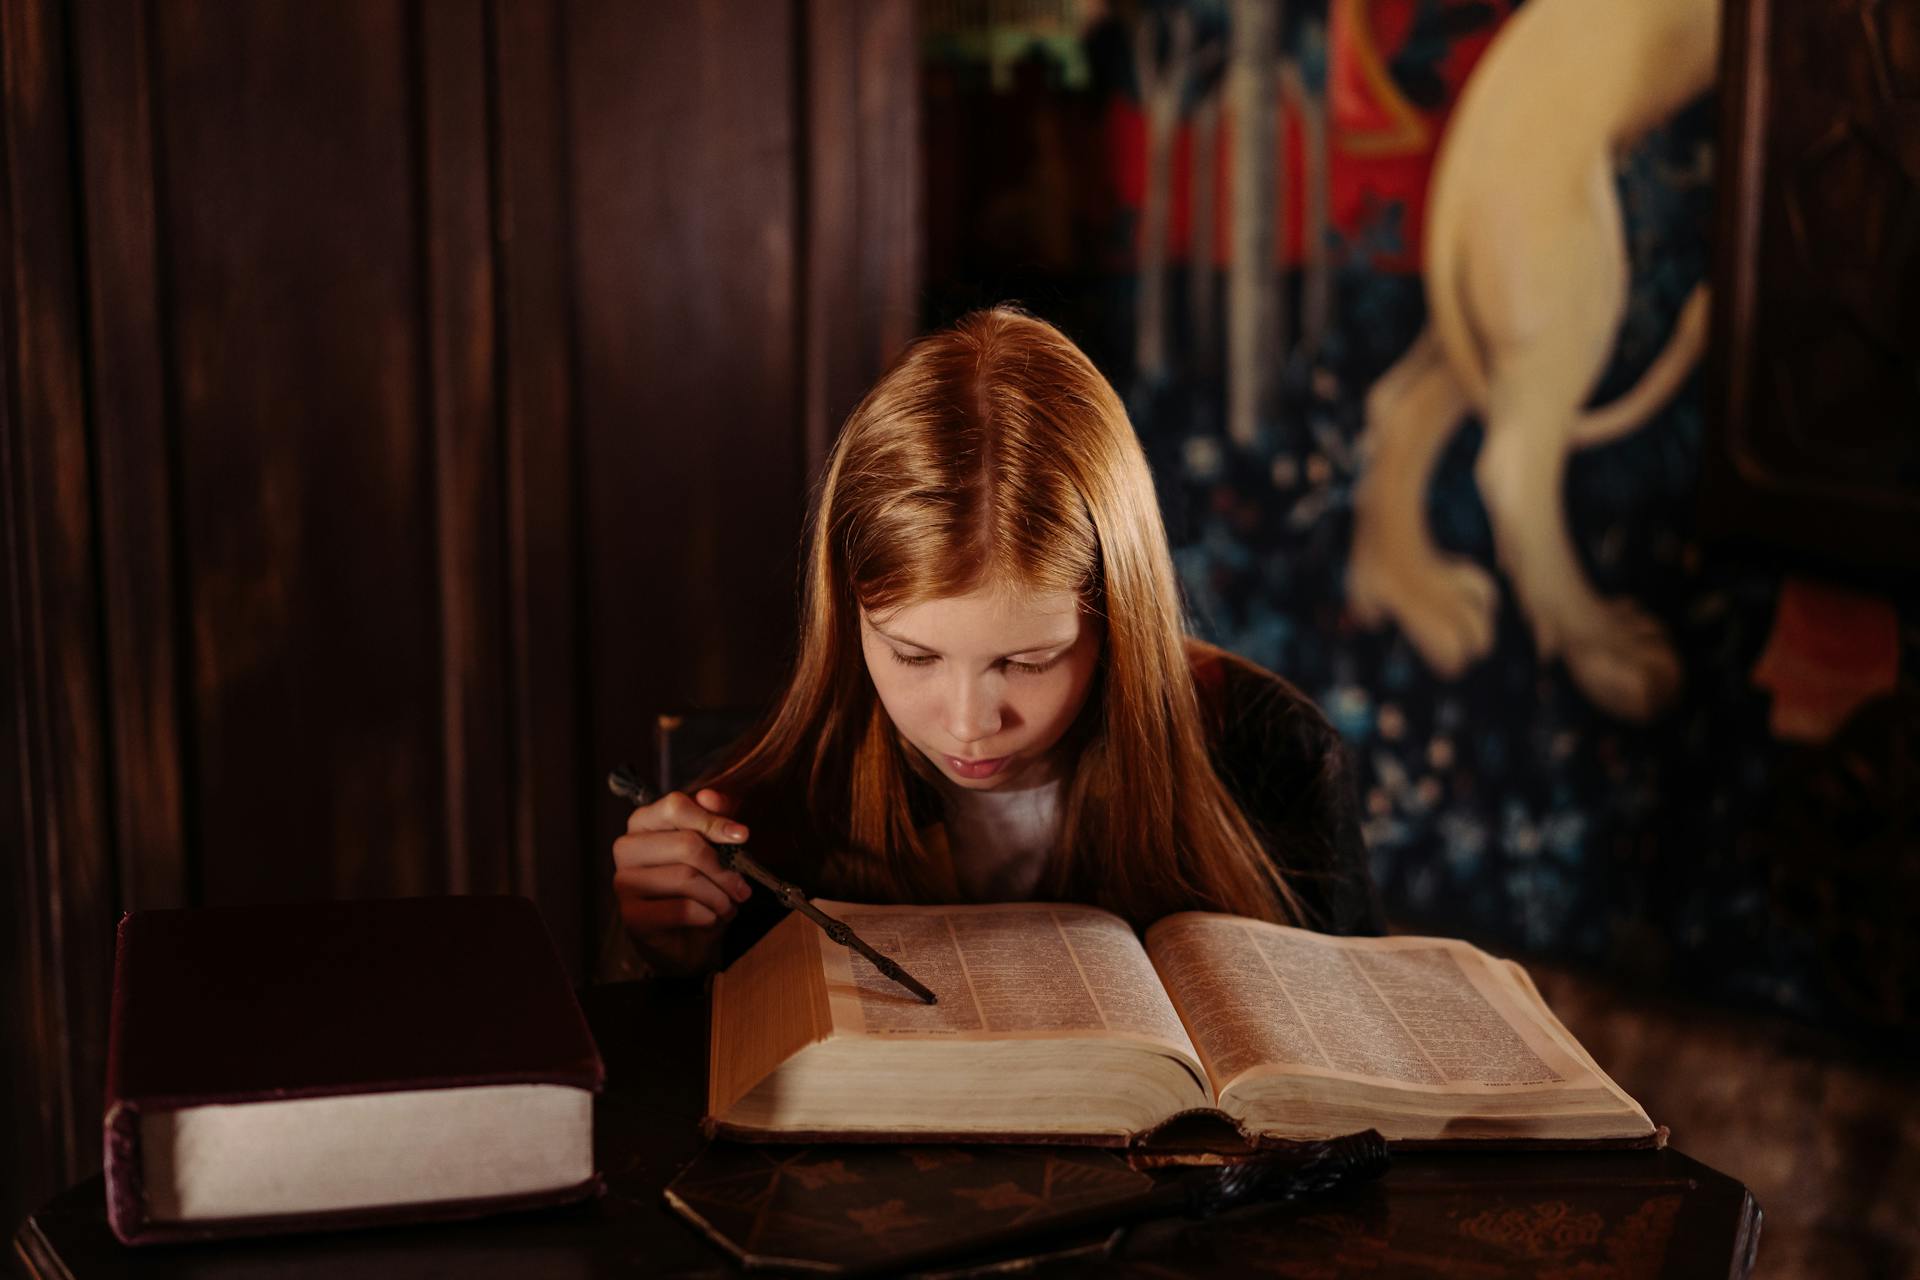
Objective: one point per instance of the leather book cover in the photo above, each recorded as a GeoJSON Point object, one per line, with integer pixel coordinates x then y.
{"type": "Point", "coordinates": [897, 1209]}
{"type": "Point", "coordinates": [874, 1209]}
{"type": "Point", "coordinates": [218, 1005]}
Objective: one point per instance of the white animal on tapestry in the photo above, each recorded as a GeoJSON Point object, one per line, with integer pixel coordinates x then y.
{"type": "Point", "coordinates": [1526, 277]}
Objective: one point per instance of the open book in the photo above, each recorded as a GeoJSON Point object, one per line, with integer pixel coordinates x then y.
{"type": "Point", "coordinates": [1056, 1024]}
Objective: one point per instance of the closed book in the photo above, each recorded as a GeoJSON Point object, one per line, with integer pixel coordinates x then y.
{"type": "Point", "coordinates": [320, 1065]}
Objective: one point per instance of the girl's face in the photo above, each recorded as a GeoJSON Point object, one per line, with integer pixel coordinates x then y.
{"type": "Point", "coordinates": [985, 684]}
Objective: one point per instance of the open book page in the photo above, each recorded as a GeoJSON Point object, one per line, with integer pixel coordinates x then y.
{"type": "Point", "coordinates": [1518, 975]}
{"type": "Point", "coordinates": [1006, 970]}
{"type": "Point", "coordinates": [1424, 1014]}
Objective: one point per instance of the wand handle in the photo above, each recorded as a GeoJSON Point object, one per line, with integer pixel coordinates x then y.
{"type": "Point", "coordinates": [623, 782]}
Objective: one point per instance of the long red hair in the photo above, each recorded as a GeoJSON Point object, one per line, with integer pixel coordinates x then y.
{"type": "Point", "coordinates": [993, 452]}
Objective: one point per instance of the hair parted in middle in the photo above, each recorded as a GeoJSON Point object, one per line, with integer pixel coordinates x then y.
{"type": "Point", "coordinates": [994, 454]}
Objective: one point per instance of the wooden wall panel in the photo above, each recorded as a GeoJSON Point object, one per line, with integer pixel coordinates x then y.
{"type": "Point", "coordinates": [830, 358]}
{"type": "Point", "coordinates": [1816, 327]}
{"type": "Point", "coordinates": [861, 210]}
{"type": "Point", "coordinates": [307, 513]}
{"type": "Point", "coordinates": [687, 251]}
{"type": "Point", "coordinates": [888, 214]}
{"type": "Point", "coordinates": [402, 403]}
{"type": "Point", "coordinates": [58, 866]}
{"type": "Point", "coordinates": [133, 455]}
{"type": "Point", "coordinates": [456, 160]}
{"type": "Point", "coordinates": [547, 685]}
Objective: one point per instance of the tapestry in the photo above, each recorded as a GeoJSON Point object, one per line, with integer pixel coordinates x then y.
{"type": "Point", "coordinates": [1416, 355]}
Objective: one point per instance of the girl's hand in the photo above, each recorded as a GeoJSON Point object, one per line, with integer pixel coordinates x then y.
{"type": "Point", "coordinates": [674, 898]}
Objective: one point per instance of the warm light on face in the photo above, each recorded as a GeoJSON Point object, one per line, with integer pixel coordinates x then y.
{"type": "Point", "coordinates": [991, 676]}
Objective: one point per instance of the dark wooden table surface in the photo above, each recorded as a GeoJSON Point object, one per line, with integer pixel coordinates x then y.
{"type": "Point", "coordinates": [1487, 1214]}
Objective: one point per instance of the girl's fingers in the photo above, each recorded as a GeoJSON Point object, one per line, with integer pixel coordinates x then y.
{"type": "Point", "coordinates": [678, 811]}
{"type": "Point", "coordinates": [674, 880]}
{"type": "Point", "coordinates": [667, 875]}
{"type": "Point", "coordinates": [667, 848]}
{"type": "Point", "coordinates": [654, 915]}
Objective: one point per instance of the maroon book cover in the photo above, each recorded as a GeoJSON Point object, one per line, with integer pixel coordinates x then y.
{"type": "Point", "coordinates": [220, 1005]}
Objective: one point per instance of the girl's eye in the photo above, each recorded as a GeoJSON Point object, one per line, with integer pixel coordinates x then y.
{"type": "Point", "coordinates": [921, 661]}
{"type": "Point", "coordinates": [1032, 668]}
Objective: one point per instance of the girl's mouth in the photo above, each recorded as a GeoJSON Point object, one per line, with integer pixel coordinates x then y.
{"type": "Point", "coordinates": [976, 768]}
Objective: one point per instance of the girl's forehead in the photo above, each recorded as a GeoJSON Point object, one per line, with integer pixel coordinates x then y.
{"type": "Point", "coordinates": [994, 606]}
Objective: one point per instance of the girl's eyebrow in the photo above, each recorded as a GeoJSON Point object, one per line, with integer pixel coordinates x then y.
{"type": "Point", "coordinates": [915, 644]}
{"type": "Point", "coordinates": [911, 644]}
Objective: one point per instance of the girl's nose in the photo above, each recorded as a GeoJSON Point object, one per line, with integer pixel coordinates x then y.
{"type": "Point", "coordinates": [973, 714]}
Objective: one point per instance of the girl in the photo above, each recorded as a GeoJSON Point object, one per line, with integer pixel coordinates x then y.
{"type": "Point", "coordinates": [995, 697]}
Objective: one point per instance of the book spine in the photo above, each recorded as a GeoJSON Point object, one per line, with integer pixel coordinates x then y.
{"type": "Point", "coordinates": [591, 1073]}
{"type": "Point", "coordinates": [121, 1157]}
{"type": "Point", "coordinates": [124, 1175]}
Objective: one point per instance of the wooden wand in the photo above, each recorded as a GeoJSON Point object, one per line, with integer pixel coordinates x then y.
{"type": "Point", "coordinates": [624, 783]}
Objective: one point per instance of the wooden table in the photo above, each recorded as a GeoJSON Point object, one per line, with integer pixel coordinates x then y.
{"type": "Point", "coordinates": [1485, 1214]}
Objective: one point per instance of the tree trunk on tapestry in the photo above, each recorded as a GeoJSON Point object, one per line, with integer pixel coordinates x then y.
{"type": "Point", "coordinates": [1253, 303]}
{"type": "Point", "coordinates": [1202, 287]}
{"type": "Point", "coordinates": [1316, 292]}
{"type": "Point", "coordinates": [1161, 87]}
